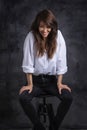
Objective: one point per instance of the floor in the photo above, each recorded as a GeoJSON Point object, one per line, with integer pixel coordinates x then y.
{"type": "Point", "coordinates": [28, 127]}
{"type": "Point", "coordinates": [46, 129]}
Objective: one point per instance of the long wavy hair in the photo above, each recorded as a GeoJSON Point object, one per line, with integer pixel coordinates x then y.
{"type": "Point", "coordinates": [49, 19]}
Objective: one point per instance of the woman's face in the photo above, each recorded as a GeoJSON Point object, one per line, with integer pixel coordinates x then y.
{"type": "Point", "coordinates": [44, 29]}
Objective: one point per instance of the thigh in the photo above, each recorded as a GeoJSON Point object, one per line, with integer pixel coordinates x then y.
{"type": "Point", "coordinates": [36, 92]}
{"type": "Point", "coordinates": [66, 95]}
{"type": "Point", "coordinates": [52, 89]}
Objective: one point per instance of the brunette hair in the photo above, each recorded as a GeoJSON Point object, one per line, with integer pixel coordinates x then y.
{"type": "Point", "coordinates": [49, 19]}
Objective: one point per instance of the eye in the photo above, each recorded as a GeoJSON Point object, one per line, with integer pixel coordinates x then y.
{"type": "Point", "coordinates": [41, 26]}
{"type": "Point", "coordinates": [48, 27]}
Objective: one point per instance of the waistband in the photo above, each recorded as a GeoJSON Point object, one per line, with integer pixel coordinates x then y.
{"type": "Point", "coordinates": [44, 76]}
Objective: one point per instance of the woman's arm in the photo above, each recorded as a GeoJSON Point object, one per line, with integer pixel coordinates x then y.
{"type": "Point", "coordinates": [28, 62]}
{"type": "Point", "coordinates": [29, 85]}
{"type": "Point", "coordinates": [59, 81]}
{"type": "Point", "coordinates": [62, 57]}
{"type": "Point", "coordinates": [28, 54]}
{"type": "Point", "coordinates": [29, 78]}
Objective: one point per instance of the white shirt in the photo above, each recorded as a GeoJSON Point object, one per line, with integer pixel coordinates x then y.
{"type": "Point", "coordinates": [42, 65]}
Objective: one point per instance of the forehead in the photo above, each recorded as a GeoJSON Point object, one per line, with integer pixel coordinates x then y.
{"type": "Point", "coordinates": [42, 23]}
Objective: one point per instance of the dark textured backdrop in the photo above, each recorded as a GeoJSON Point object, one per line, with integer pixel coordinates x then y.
{"type": "Point", "coordinates": [16, 17]}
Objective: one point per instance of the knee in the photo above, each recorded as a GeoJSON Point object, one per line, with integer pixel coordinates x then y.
{"type": "Point", "coordinates": [67, 101]}
{"type": "Point", "coordinates": [67, 97]}
{"type": "Point", "coordinates": [23, 97]}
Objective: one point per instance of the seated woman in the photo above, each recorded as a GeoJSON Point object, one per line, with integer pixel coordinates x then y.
{"type": "Point", "coordinates": [44, 62]}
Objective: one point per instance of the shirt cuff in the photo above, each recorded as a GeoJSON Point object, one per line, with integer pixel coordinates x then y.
{"type": "Point", "coordinates": [62, 71]}
{"type": "Point", "coordinates": [27, 69]}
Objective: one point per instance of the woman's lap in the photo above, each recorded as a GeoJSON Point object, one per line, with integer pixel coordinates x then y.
{"type": "Point", "coordinates": [50, 89]}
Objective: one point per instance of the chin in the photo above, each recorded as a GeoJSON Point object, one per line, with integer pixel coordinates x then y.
{"type": "Point", "coordinates": [45, 36]}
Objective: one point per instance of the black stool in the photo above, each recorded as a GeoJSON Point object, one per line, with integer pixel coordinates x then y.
{"type": "Point", "coordinates": [45, 110]}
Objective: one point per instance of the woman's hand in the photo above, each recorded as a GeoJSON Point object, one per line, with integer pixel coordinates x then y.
{"type": "Point", "coordinates": [28, 87]}
{"type": "Point", "coordinates": [63, 86]}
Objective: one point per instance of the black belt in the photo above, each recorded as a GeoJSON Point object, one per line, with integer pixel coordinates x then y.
{"type": "Point", "coordinates": [43, 76]}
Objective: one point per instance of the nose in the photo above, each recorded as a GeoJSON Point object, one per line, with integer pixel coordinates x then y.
{"type": "Point", "coordinates": [45, 29]}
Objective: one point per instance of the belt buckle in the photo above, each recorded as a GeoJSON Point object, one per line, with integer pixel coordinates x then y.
{"type": "Point", "coordinates": [44, 78]}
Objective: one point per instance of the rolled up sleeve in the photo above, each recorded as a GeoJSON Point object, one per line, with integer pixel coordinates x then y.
{"type": "Point", "coordinates": [28, 54]}
{"type": "Point", "coordinates": [62, 59]}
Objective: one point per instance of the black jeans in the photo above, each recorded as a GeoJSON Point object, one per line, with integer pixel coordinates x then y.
{"type": "Point", "coordinates": [48, 85]}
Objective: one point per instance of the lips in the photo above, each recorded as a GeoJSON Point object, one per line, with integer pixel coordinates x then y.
{"type": "Point", "coordinates": [44, 33]}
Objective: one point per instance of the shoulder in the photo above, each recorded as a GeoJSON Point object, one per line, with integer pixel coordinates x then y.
{"type": "Point", "coordinates": [29, 39]}
{"type": "Point", "coordinates": [30, 35]}
{"type": "Point", "coordinates": [60, 39]}
{"type": "Point", "coordinates": [59, 33]}
{"type": "Point", "coordinates": [60, 36]}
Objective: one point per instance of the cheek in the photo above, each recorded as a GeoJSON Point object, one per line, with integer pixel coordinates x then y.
{"type": "Point", "coordinates": [40, 29]}
{"type": "Point", "coordinates": [49, 30]}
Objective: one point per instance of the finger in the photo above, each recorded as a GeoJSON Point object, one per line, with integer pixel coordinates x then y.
{"type": "Point", "coordinates": [68, 88]}
{"type": "Point", "coordinates": [30, 90]}
{"type": "Point", "coordinates": [59, 90]}
{"type": "Point", "coordinates": [21, 90]}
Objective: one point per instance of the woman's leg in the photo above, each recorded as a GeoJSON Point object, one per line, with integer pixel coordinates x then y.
{"type": "Point", "coordinates": [25, 100]}
{"type": "Point", "coordinates": [66, 100]}
{"type": "Point", "coordinates": [63, 107]}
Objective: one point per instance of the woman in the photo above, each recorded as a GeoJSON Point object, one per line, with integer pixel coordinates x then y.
{"type": "Point", "coordinates": [44, 63]}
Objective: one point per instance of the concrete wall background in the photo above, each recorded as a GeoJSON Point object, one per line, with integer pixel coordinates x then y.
{"type": "Point", "coordinates": [15, 19]}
